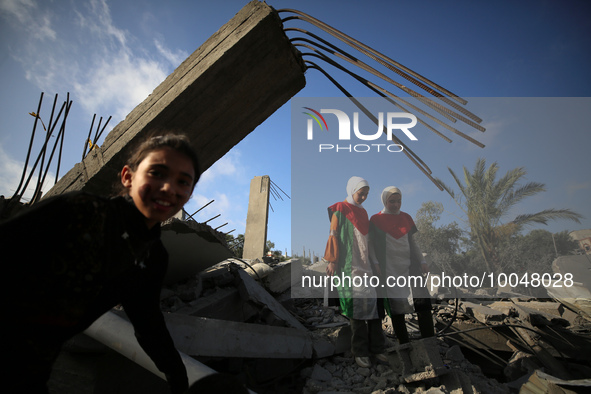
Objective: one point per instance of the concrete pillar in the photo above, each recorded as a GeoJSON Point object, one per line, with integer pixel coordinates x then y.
{"type": "Point", "coordinates": [217, 96]}
{"type": "Point", "coordinates": [255, 235]}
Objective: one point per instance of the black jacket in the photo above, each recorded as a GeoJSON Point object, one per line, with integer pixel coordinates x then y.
{"type": "Point", "coordinates": [77, 256]}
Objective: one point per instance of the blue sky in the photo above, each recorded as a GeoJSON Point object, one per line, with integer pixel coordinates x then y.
{"type": "Point", "coordinates": [110, 55]}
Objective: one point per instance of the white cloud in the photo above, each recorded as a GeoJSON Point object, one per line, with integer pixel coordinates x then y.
{"type": "Point", "coordinates": [23, 13]}
{"type": "Point", "coordinates": [228, 166]}
{"type": "Point", "coordinates": [118, 83]}
{"type": "Point", "coordinates": [412, 189]}
{"type": "Point", "coordinates": [10, 175]}
{"type": "Point", "coordinates": [175, 58]}
{"type": "Point", "coordinates": [573, 187]}
{"type": "Point", "coordinates": [116, 79]}
{"type": "Point", "coordinates": [100, 24]}
{"type": "Point", "coordinates": [105, 68]}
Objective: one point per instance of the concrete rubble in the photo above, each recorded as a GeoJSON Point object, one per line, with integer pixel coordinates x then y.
{"type": "Point", "coordinates": [253, 319]}
{"type": "Point", "coordinates": [239, 317]}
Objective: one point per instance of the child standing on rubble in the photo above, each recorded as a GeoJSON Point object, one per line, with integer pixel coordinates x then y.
{"type": "Point", "coordinates": [77, 255]}
{"type": "Point", "coordinates": [347, 256]}
{"type": "Point", "coordinates": [394, 249]}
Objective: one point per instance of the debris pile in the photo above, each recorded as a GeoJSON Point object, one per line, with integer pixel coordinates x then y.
{"type": "Point", "coordinates": [239, 317]}
{"type": "Point", "coordinates": [507, 340]}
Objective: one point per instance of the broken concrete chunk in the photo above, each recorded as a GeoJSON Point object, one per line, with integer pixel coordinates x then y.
{"type": "Point", "coordinates": [540, 382]}
{"type": "Point", "coordinates": [198, 336]}
{"type": "Point", "coordinates": [539, 316]}
{"type": "Point", "coordinates": [482, 313]}
{"type": "Point", "coordinates": [420, 360]}
{"type": "Point", "coordinates": [454, 353]}
{"type": "Point", "coordinates": [192, 247]}
{"type": "Point", "coordinates": [259, 270]}
{"type": "Point", "coordinates": [283, 276]}
{"type": "Point", "coordinates": [255, 292]}
{"type": "Point", "coordinates": [321, 374]}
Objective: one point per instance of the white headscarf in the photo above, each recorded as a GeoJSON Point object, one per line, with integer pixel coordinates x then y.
{"type": "Point", "coordinates": [355, 183]}
{"type": "Point", "coordinates": [386, 193]}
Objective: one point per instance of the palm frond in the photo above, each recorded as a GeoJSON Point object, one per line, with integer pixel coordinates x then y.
{"type": "Point", "coordinates": [513, 197]}
{"type": "Point", "coordinates": [486, 201]}
{"type": "Point", "coordinates": [546, 215]}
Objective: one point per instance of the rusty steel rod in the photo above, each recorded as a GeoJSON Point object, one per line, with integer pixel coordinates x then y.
{"type": "Point", "coordinates": [377, 56]}
{"type": "Point", "coordinates": [375, 88]}
{"type": "Point", "coordinates": [16, 192]}
{"type": "Point", "coordinates": [407, 151]}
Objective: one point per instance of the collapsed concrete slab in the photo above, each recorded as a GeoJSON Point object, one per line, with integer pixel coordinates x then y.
{"type": "Point", "coordinates": [224, 304]}
{"type": "Point", "coordinates": [482, 313]}
{"type": "Point", "coordinates": [479, 339]}
{"type": "Point", "coordinates": [541, 382]}
{"type": "Point", "coordinates": [218, 95]}
{"type": "Point", "coordinates": [192, 247]}
{"type": "Point", "coordinates": [538, 315]}
{"type": "Point", "coordinates": [276, 278]}
{"type": "Point", "coordinates": [197, 336]}
{"type": "Point", "coordinates": [255, 292]}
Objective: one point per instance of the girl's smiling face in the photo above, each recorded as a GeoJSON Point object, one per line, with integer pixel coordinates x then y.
{"type": "Point", "coordinates": [394, 202]}
{"type": "Point", "coordinates": [361, 195]}
{"type": "Point", "coordinates": [161, 185]}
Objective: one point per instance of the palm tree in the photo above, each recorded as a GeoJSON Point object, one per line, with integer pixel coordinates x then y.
{"type": "Point", "coordinates": [486, 201]}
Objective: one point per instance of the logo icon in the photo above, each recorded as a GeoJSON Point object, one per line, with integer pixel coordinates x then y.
{"type": "Point", "coordinates": [314, 116]}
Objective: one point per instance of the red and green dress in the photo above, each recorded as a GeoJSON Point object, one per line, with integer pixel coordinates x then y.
{"type": "Point", "coordinates": [348, 247]}
{"type": "Point", "coordinates": [391, 247]}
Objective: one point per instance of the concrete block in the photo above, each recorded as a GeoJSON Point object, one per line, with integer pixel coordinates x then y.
{"type": "Point", "coordinates": [482, 313]}
{"type": "Point", "coordinates": [259, 270]}
{"type": "Point", "coordinates": [308, 283]}
{"type": "Point", "coordinates": [198, 336]}
{"type": "Point", "coordinates": [551, 308]}
{"type": "Point", "coordinates": [217, 96]}
{"type": "Point", "coordinates": [251, 290]}
{"type": "Point", "coordinates": [480, 339]}
{"type": "Point", "coordinates": [457, 381]}
{"type": "Point", "coordinates": [505, 307]}
{"type": "Point", "coordinates": [192, 247]}
{"type": "Point", "coordinates": [341, 338]}
{"type": "Point", "coordinates": [321, 374]}
{"type": "Point", "coordinates": [323, 348]}
{"type": "Point", "coordinates": [539, 316]}
{"type": "Point", "coordinates": [283, 276]}
{"type": "Point", "coordinates": [420, 360]}
{"type": "Point", "coordinates": [223, 304]}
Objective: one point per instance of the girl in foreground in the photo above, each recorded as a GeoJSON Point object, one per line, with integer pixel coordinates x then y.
{"type": "Point", "coordinates": [78, 255]}
{"type": "Point", "coordinates": [395, 250]}
{"type": "Point", "coordinates": [347, 255]}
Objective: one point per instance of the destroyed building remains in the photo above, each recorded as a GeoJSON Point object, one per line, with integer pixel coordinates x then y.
{"type": "Point", "coordinates": [238, 316]}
